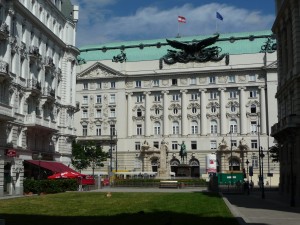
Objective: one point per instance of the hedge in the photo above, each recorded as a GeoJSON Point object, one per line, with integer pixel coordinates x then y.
{"type": "Point", "coordinates": [49, 186]}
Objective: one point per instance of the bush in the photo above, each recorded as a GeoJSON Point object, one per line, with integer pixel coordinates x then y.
{"type": "Point", "coordinates": [50, 186]}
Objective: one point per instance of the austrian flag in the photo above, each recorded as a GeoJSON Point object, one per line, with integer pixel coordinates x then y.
{"type": "Point", "coordinates": [181, 19]}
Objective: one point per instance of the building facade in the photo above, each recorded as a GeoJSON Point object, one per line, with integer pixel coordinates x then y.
{"type": "Point", "coordinates": [37, 86]}
{"type": "Point", "coordinates": [286, 131]}
{"type": "Point", "coordinates": [133, 97]}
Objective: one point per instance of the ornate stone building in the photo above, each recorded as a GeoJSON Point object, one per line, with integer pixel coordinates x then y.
{"type": "Point", "coordinates": [147, 92]}
{"type": "Point", "coordinates": [287, 129]}
{"type": "Point", "coordinates": [37, 86]}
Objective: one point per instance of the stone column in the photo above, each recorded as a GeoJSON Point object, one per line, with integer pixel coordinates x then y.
{"type": "Point", "coordinates": [165, 113]}
{"type": "Point", "coordinates": [183, 113]}
{"type": "Point", "coordinates": [263, 120]}
{"type": "Point", "coordinates": [147, 114]}
{"type": "Point", "coordinates": [8, 22]}
{"type": "Point", "coordinates": [129, 114]}
{"type": "Point", "coordinates": [223, 111]}
{"type": "Point", "coordinates": [203, 112]}
{"type": "Point", "coordinates": [164, 170]}
{"type": "Point", "coordinates": [243, 124]}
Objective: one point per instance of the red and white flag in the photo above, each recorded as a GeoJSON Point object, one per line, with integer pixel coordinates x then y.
{"type": "Point", "coordinates": [181, 19]}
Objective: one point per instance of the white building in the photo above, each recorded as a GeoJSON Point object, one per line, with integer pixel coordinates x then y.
{"type": "Point", "coordinates": [146, 101]}
{"type": "Point", "coordinates": [37, 86]}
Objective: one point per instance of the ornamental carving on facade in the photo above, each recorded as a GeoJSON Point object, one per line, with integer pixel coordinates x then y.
{"type": "Point", "coordinates": [129, 84]}
{"type": "Point", "coordinates": [193, 117]}
{"type": "Point", "coordinates": [156, 118]}
{"type": "Point", "coordinates": [174, 118]}
{"type": "Point", "coordinates": [183, 81]}
{"type": "Point", "coordinates": [242, 78]}
{"type": "Point", "coordinates": [165, 82]}
{"type": "Point", "coordinates": [202, 80]}
{"type": "Point", "coordinates": [193, 105]}
{"type": "Point", "coordinates": [212, 116]}
{"type": "Point", "coordinates": [156, 106]}
{"type": "Point", "coordinates": [175, 105]}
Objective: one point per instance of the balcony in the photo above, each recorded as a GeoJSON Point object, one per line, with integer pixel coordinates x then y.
{"type": "Point", "coordinates": [33, 53]}
{"type": "Point", "coordinates": [4, 71]}
{"type": "Point", "coordinates": [4, 32]}
{"type": "Point", "coordinates": [48, 93]}
{"type": "Point", "coordinates": [48, 61]}
{"type": "Point", "coordinates": [286, 124]}
{"type": "Point", "coordinates": [34, 86]}
{"type": "Point", "coordinates": [33, 120]}
{"type": "Point", "coordinates": [101, 138]}
{"type": "Point", "coordinates": [6, 112]}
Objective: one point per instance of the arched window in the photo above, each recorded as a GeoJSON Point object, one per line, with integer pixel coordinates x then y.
{"type": "Point", "coordinates": [194, 110]}
{"type": "Point", "coordinates": [194, 127]}
{"type": "Point", "coordinates": [175, 127]}
{"type": "Point", "coordinates": [213, 109]}
{"type": "Point", "coordinates": [157, 111]}
{"type": "Point", "coordinates": [213, 127]}
{"type": "Point", "coordinates": [156, 128]}
{"type": "Point", "coordinates": [233, 126]}
{"type": "Point", "coordinates": [175, 110]}
{"type": "Point", "coordinates": [253, 108]}
{"type": "Point", "coordinates": [232, 108]}
{"type": "Point", "coordinates": [235, 164]}
{"type": "Point", "coordinates": [139, 113]}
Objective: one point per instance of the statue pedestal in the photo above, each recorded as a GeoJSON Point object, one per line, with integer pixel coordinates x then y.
{"type": "Point", "coordinates": [183, 170]}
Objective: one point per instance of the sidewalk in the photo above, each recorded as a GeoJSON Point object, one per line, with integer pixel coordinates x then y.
{"type": "Point", "coordinates": [253, 210]}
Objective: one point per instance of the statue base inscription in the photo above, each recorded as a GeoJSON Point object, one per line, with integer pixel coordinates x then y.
{"type": "Point", "coordinates": [183, 170]}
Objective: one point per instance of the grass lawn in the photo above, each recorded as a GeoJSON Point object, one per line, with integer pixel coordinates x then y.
{"type": "Point", "coordinates": [84, 208]}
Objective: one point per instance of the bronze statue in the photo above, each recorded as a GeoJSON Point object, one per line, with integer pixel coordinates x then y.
{"type": "Point", "coordinates": [197, 51]}
{"type": "Point", "coordinates": [183, 152]}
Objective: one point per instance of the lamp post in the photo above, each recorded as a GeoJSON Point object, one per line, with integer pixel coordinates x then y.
{"type": "Point", "coordinates": [39, 158]}
{"type": "Point", "coordinates": [231, 155]}
{"type": "Point", "coordinates": [261, 155]}
{"type": "Point", "coordinates": [247, 162]}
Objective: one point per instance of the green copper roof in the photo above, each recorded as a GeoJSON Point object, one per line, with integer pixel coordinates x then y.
{"type": "Point", "coordinates": [232, 43]}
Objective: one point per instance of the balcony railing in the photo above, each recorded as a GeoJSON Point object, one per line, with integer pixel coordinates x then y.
{"type": "Point", "coordinates": [49, 62]}
{"type": "Point", "coordinates": [35, 120]}
{"type": "Point", "coordinates": [48, 91]}
{"type": "Point", "coordinates": [34, 84]}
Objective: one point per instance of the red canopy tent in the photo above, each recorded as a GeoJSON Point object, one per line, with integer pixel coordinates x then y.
{"type": "Point", "coordinates": [66, 175]}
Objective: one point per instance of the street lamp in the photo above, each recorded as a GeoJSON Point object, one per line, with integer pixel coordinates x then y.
{"type": "Point", "coordinates": [261, 155]}
{"type": "Point", "coordinates": [39, 158]}
{"type": "Point", "coordinates": [247, 163]}
{"type": "Point", "coordinates": [231, 155]}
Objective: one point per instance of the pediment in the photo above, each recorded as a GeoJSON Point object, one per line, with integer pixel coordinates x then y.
{"type": "Point", "coordinates": [98, 70]}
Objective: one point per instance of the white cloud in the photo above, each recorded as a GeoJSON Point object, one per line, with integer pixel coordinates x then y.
{"type": "Point", "coordinates": [98, 25]}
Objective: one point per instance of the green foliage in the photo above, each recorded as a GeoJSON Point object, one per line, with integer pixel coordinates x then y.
{"type": "Point", "coordinates": [274, 153]}
{"type": "Point", "coordinates": [50, 186]}
{"type": "Point", "coordinates": [87, 154]}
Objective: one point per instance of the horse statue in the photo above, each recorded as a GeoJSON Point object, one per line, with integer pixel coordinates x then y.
{"type": "Point", "coordinates": [183, 152]}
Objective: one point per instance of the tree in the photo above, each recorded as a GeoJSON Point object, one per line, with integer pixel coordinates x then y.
{"type": "Point", "coordinates": [88, 154]}
{"type": "Point", "coordinates": [274, 153]}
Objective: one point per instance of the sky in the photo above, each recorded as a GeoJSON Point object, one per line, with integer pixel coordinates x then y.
{"type": "Point", "coordinates": [106, 21]}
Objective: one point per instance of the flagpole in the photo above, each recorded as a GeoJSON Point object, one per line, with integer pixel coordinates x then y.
{"type": "Point", "coordinates": [177, 28]}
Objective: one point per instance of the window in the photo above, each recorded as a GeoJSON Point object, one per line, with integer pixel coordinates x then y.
{"type": "Point", "coordinates": [113, 112]}
{"type": "Point", "coordinates": [252, 94]}
{"type": "Point", "coordinates": [252, 77]}
{"type": "Point", "coordinates": [84, 130]}
{"type": "Point", "coordinates": [156, 128]}
{"type": "Point", "coordinates": [231, 79]}
{"type": "Point", "coordinates": [99, 85]}
{"type": "Point", "coordinates": [175, 111]}
{"type": "Point", "coordinates": [174, 82]}
{"type": "Point", "coordinates": [137, 146]}
{"type": "Point", "coordinates": [113, 129]}
{"type": "Point", "coordinates": [112, 98]}
{"type": "Point", "coordinates": [253, 108]}
{"type": "Point", "coordinates": [138, 112]}
{"type": "Point", "coordinates": [98, 113]}
{"type": "Point", "coordinates": [254, 144]}
{"type": "Point", "coordinates": [194, 96]}
{"type": "Point", "coordinates": [99, 98]}
{"type": "Point", "coordinates": [232, 94]}
{"type": "Point", "coordinates": [98, 130]}
{"type": "Point", "coordinates": [157, 98]}
{"type": "Point", "coordinates": [193, 81]}
{"type": "Point", "coordinates": [157, 111]}
{"type": "Point", "coordinates": [194, 145]}
{"type": "Point", "coordinates": [85, 100]}
{"type": "Point", "coordinates": [233, 126]}
{"type": "Point", "coordinates": [139, 98]}
{"type": "Point", "coordinates": [139, 129]}
{"type": "Point", "coordinates": [232, 108]}
{"type": "Point", "coordinates": [233, 143]}
{"type": "Point", "coordinates": [85, 113]}
{"type": "Point", "coordinates": [156, 144]}
{"type": "Point", "coordinates": [213, 127]}
{"type": "Point", "coordinates": [194, 127]}
{"type": "Point", "coordinates": [213, 144]}
{"type": "Point", "coordinates": [175, 128]}
{"type": "Point", "coordinates": [175, 97]}
{"type": "Point", "coordinates": [254, 162]}
{"type": "Point", "coordinates": [112, 84]}
{"type": "Point", "coordinates": [138, 84]}
{"type": "Point", "coordinates": [85, 86]}
{"type": "Point", "coordinates": [174, 145]}
{"type": "Point", "coordinates": [213, 95]}
{"type": "Point", "coordinates": [213, 109]}
{"type": "Point", "coordinates": [253, 127]}
{"type": "Point", "coordinates": [212, 80]}
{"type": "Point", "coordinates": [194, 110]}
{"type": "Point", "coordinates": [156, 83]}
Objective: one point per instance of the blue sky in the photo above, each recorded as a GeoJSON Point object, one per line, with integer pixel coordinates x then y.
{"type": "Point", "coordinates": [104, 21]}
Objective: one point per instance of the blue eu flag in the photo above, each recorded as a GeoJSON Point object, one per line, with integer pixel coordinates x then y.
{"type": "Point", "coordinates": [219, 16]}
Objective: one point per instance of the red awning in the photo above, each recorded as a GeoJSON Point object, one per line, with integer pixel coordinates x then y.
{"type": "Point", "coordinates": [55, 167]}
